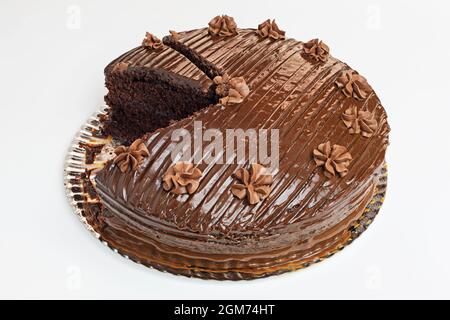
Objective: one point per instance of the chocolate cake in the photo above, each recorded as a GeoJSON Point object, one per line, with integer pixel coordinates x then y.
{"type": "Point", "coordinates": [237, 220]}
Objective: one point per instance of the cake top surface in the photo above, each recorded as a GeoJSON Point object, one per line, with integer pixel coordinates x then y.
{"type": "Point", "coordinates": [332, 130]}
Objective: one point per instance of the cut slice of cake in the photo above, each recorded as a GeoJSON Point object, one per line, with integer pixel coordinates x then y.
{"type": "Point", "coordinates": [144, 98]}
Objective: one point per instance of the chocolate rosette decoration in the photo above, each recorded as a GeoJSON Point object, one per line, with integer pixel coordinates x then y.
{"type": "Point", "coordinates": [231, 90]}
{"type": "Point", "coordinates": [255, 184]}
{"type": "Point", "coordinates": [174, 35]}
{"type": "Point", "coordinates": [152, 42]}
{"type": "Point", "coordinates": [182, 178]}
{"type": "Point", "coordinates": [316, 50]}
{"type": "Point", "coordinates": [353, 85]}
{"type": "Point", "coordinates": [129, 158]}
{"type": "Point", "coordinates": [334, 159]}
{"type": "Point", "coordinates": [360, 122]}
{"type": "Point", "coordinates": [223, 26]}
{"type": "Point", "coordinates": [269, 29]}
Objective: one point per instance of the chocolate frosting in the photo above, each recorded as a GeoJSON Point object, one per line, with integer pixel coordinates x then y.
{"type": "Point", "coordinates": [223, 26]}
{"type": "Point", "coordinates": [334, 159]}
{"type": "Point", "coordinates": [317, 50]}
{"type": "Point", "coordinates": [363, 122]}
{"type": "Point", "coordinates": [305, 212]}
{"type": "Point", "coordinates": [231, 91]}
{"type": "Point", "coordinates": [174, 35]}
{"type": "Point", "coordinates": [269, 29]}
{"type": "Point", "coordinates": [152, 42]}
{"type": "Point", "coordinates": [182, 178]}
{"type": "Point", "coordinates": [353, 85]}
{"type": "Point", "coordinates": [129, 158]}
{"type": "Point", "coordinates": [254, 184]}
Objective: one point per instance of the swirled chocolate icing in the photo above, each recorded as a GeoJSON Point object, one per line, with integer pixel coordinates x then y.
{"type": "Point", "coordinates": [361, 121]}
{"type": "Point", "coordinates": [305, 214]}
{"type": "Point", "coordinates": [254, 184]}
{"type": "Point", "coordinates": [353, 85]}
{"type": "Point", "coordinates": [316, 50]}
{"type": "Point", "coordinates": [152, 42]}
{"type": "Point", "coordinates": [270, 29]}
{"type": "Point", "coordinates": [182, 177]}
{"type": "Point", "coordinates": [129, 158]}
{"type": "Point", "coordinates": [223, 26]}
{"type": "Point", "coordinates": [231, 91]}
{"type": "Point", "coordinates": [335, 159]}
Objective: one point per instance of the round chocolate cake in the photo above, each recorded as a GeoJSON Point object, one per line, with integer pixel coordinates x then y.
{"type": "Point", "coordinates": [227, 218]}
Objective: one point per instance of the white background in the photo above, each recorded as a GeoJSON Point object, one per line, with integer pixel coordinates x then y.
{"type": "Point", "coordinates": [52, 55]}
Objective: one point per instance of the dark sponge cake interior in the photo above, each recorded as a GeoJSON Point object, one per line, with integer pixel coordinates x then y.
{"type": "Point", "coordinates": [145, 99]}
